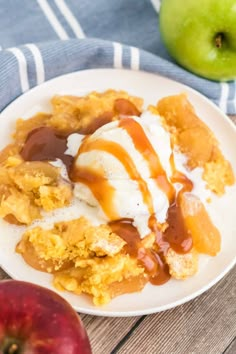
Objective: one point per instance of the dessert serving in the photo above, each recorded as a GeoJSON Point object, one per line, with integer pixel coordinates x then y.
{"type": "Point", "coordinates": [106, 193]}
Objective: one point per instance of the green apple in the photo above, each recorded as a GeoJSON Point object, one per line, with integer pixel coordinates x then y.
{"type": "Point", "coordinates": [201, 36]}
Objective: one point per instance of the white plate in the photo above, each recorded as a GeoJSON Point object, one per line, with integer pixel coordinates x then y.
{"type": "Point", "coordinates": [151, 87]}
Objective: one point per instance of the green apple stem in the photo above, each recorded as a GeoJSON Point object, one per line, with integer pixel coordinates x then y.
{"type": "Point", "coordinates": [219, 40]}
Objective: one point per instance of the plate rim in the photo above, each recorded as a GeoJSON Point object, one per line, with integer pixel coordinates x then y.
{"type": "Point", "coordinates": [189, 88]}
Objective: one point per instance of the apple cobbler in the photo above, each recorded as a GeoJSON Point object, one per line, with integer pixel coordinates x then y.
{"type": "Point", "coordinates": [128, 173]}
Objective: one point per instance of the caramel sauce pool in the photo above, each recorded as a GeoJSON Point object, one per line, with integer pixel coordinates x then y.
{"type": "Point", "coordinates": [155, 267]}
{"type": "Point", "coordinates": [101, 120]}
{"type": "Point", "coordinates": [45, 144]}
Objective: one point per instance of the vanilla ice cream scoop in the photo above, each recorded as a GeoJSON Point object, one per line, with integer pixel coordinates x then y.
{"type": "Point", "coordinates": [123, 169]}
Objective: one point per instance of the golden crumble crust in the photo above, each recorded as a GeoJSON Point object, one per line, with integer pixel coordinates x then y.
{"type": "Point", "coordinates": [182, 266]}
{"type": "Point", "coordinates": [83, 258]}
{"type": "Point", "coordinates": [99, 276]}
{"type": "Point", "coordinates": [69, 240]}
{"type": "Point", "coordinates": [30, 186]}
{"type": "Point", "coordinates": [71, 113]}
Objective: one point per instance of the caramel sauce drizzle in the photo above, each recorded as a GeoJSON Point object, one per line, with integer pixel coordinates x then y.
{"type": "Point", "coordinates": [122, 155]}
{"type": "Point", "coordinates": [178, 237]}
{"type": "Point", "coordinates": [100, 187]}
{"type": "Point", "coordinates": [143, 145]}
{"type": "Point", "coordinates": [179, 177]}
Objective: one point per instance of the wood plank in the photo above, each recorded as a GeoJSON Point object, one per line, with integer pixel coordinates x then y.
{"type": "Point", "coordinates": [105, 332]}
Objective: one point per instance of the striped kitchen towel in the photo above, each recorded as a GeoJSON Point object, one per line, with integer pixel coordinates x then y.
{"type": "Point", "coordinates": [42, 39]}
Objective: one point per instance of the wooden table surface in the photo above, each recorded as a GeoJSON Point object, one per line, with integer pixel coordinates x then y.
{"type": "Point", "coordinates": [205, 325]}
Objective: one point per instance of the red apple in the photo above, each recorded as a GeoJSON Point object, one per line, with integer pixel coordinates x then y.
{"type": "Point", "coordinates": [35, 320]}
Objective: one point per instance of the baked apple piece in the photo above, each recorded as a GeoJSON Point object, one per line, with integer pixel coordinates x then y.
{"type": "Point", "coordinates": [206, 237]}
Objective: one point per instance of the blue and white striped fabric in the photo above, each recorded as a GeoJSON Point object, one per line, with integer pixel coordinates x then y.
{"type": "Point", "coordinates": [42, 39]}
